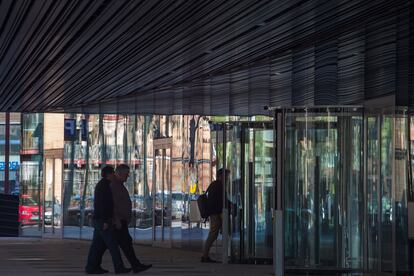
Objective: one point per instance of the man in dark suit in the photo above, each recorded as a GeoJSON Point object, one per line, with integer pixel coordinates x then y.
{"type": "Point", "coordinates": [103, 234]}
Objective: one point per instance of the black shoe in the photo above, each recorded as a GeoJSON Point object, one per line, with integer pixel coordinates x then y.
{"type": "Point", "coordinates": [141, 267]}
{"type": "Point", "coordinates": [103, 270]}
{"type": "Point", "coordinates": [207, 260]}
{"type": "Point", "coordinates": [96, 271]}
{"type": "Point", "coordinates": [123, 271]}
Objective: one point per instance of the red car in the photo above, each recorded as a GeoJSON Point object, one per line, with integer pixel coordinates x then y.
{"type": "Point", "coordinates": [29, 210]}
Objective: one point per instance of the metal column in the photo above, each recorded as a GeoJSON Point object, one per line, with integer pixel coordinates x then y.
{"type": "Point", "coordinates": [278, 227]}
{"type": "Point", "coordinates": [7, 155]}
{"type": "Point", "coordinates": [225, 223]}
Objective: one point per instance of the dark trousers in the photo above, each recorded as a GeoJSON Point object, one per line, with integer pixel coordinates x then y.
{"type": "Point", "coordinates": [100, 242]}
{"type": "Point", "coordinates": [215, 227]}
{"type": "Point", "coordinates": [125, 242]}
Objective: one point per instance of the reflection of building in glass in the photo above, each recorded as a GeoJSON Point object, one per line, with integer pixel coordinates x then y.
{"type": "Point", "coordinates": [116, 139]}
{"type": "Point", "coordinates": [12, 139]}
{"type": "Point", "coordinates": [323, 174]}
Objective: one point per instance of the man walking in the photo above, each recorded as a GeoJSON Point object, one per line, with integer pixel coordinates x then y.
{"type": "Point", "coordinates": [103, 234]}
{"type": "Point", "coordinates": [215, 208]}
{"type": "Point", "coordinates": [122, 217]}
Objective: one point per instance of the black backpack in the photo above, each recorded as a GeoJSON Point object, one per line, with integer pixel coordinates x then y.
{"type": "Point", "coordinates": [202, 202]}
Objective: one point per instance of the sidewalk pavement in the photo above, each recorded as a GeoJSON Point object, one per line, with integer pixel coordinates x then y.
{"type": "Point", "coordinates": [27, 256]}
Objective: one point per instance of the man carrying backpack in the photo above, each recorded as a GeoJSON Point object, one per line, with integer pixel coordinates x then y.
{"type": "Point", "coordinates": [215, 210]}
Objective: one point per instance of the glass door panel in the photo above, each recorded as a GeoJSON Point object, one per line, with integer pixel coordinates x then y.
{"type": "Point", "coordinates": [31, 193]}
{"type": "Point", "coordinates": [373, 184]}
{"type": "Point", "coordinates": [263, 192]}
{"type": "Point", "coordinates": [386, 210]}
{"type": "Point", "coordinates": [48, 196]}
{"type": "Point", "coordinates": [253, 191]}
{"type": "Point", "coordinates": [52, 200]}
{"type": "Point", "coordinates": [57, 197]}
{"type": "Point", "coordinates": [234, 189]}
{"type": "Point", "coordinates": [158, 197]}
{"type": "Point", "coordinates": [323, 189]}
{"type": "Point", "coordinates": [402, 168]}
{"type": "Point", "coordinates": [162, 197]}
{"type": "Point", "coordinates": [167, 195]}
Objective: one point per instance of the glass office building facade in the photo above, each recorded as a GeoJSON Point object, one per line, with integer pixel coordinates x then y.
{"type": "Point", "coordinates": [164, 177]}
{"type": "Point", "coordinates": [347, 179]}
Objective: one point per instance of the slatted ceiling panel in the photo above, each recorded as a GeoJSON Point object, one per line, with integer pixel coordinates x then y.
{"type": "Point", "coordinates": [149, 56]}
{"type": "Point", "coordinates": [128, 105]}
{"type": "Point", "coordinates": [259, 88]}
{"type": "Point", "coordinates": [57, 54]}
{"type": "Point", "coordinates": [207, 96]}
{"type": "Point", "coordinates": [186, 99]}
{"type": "Point", "coordinates": [107, 107]}
{"type": "Point", "coordinates": [69, 32]}
{"type": "Point", "coordinates": [57, 39]}
{"type": "Point", "coordinates": [10, 60]}
{"type": "Point", "coordinates": [178, 100]}
{"type": "Point", "coordinates": [351, 60]}
{"type": "Point", "coordinates": [403, 68]}
{"type": "Point", "coordinates": [244, 55]}
{"type": "Point", "coordinates": [247, 45]}
{"type": "Point", "coordinates": [303, 67]}
{"type": "Point", "coordinates": [162, 100]}
{"type": "Point", "coordinates": [100, 61]}
{"type": "Point", "coordinates": [326, 72]}
{"type": "Point", "coordinates": [85, 58]}
{"type": "Point", "coordinates": [219, 101]}
{"type": "Point", "coordinates": [143, 104]}
{"type": "Point", "coordinates": [90, 109]}
{"type": "Point", "coordinates": [137, 56]}
{"type": "Point", "coordinates": [214, 35]}
{"type": "Point", "coordinates": [196, 97]}
{"type": "Point", "coordinates": [281, 81]}
{"type": "Point", "coordinates": [239, 92]}
{"type": "Point", "coordinates": [287, 38]}
{"type": "Point", "coordinates": [24, 55]}
{"type": "Point", "coordinates": [380, 59]}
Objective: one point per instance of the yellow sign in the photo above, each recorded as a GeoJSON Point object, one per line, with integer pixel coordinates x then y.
{"type": "Point", "coordinates": [193, 188]}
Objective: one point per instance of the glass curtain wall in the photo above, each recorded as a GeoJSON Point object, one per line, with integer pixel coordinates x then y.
{"type": "Point", "coordinates": [323, 188]}
{"type": "Point", "coordinates": [76, 195]}
{"type": "Point", "coordinates": [30, 190]}
{"type": "Point", "coordinates": [400, 202]}
{"type": "Point", "coordinates": [114, 139]}
{"type": "Point", "coordinates": [247, 147]}
{"type": "Point", "coordinates": [387, 194]}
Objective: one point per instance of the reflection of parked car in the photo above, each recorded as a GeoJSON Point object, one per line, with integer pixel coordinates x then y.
{"type": "Point", "coordinates": [29, 210]}
{"type": "Point", "coordinates": [141, 215]}
{"type": "Point", "coordinates": [186, 205]}
{"type": "Point", "coordinates": [74, 211]}
{"type": "Point", "coordinates": [88, 218]}
{"type": "Point", "coordinates": [142, 211]}
{"type": "Point", "coordinates": [49, 213]}
{"type": "Point", "coordinates": [177, 205]}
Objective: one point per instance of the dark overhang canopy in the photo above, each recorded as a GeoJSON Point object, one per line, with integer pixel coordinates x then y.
{"type": "Point", "coordinates": [201, 57]}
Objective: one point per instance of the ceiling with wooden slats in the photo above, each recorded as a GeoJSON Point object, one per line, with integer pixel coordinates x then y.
{"type": "Point", "coordinates": [202, 57]}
